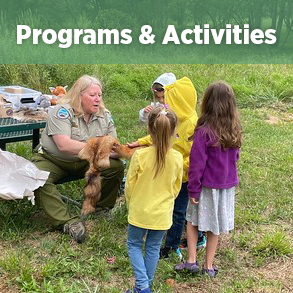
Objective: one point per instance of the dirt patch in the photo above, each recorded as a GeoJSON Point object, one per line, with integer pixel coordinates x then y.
{"type": "Point", "coordinates": [4, 285]}
{"type": "Point", "coordinates": [279, 271]}
{"type": "Point", "coordinates": [276, 117]}
{"type": "Point", "coordinates": [277, 114]}
{"type": "Point", "coordinates": [115, 282]}
{"type": "Point", "coordinates": [273, 120]}
{"type": "Point", "coordinates": [203, 286]}
{"type": "Point", "coordinates": [287, 227]}
{"type": "Point", "coordinates": [3, 251]}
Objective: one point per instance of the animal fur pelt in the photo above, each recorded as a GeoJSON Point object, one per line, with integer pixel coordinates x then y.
{"type": "Point", "coordinates": [97, 153]}
{"type": "Point", "coordinates": [30, 115]}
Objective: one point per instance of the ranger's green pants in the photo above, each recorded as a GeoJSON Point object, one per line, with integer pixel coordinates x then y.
{"type": "Point", "coordinates": [49, 198]}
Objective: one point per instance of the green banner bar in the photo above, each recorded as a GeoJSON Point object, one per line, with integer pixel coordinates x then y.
{"type": "Point", "coordinates": [146, 31]}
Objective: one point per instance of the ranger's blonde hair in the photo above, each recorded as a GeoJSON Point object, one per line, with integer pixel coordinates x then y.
{"type": "Point", "coordinates": [78, 88]}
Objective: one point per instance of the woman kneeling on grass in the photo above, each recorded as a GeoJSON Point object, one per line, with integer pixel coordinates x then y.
{"type": "Point", "coordinates": [212, 174]}
{"type": "Point", "coordinates": [69, 126]}
{"type": "Point", "coordinates": [153, 182]}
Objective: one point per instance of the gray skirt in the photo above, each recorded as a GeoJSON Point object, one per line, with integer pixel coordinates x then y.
{"type": "Point", "coordinates": [215, 211]}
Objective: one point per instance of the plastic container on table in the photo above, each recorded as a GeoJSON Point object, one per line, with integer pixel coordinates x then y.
{"type": "Point", "coordinates": [20, 97]}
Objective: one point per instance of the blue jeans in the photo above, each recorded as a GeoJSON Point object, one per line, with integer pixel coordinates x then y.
{"type": "Point", "coordinates": [175, 232]}
{"type": "Point", "coordinates": [144, 267]}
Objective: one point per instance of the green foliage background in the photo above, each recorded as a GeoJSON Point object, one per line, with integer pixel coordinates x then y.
{"type": "Point", "coordinates": [254, 85]}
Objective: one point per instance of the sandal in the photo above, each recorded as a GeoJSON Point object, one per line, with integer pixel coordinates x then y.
{"type": "Point", "coordinates": [186, 266]}
{"type": "Point", "coordinates": [210, 272]}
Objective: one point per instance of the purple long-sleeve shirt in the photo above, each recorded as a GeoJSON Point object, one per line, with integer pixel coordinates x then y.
{"type": "Point", "coordinates": [210, 166]}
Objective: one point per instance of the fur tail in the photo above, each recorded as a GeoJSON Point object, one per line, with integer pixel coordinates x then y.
{"type": "Point", "coordinates": [92, 191]}
{"type": "Point", "coordinates": [97, 152]}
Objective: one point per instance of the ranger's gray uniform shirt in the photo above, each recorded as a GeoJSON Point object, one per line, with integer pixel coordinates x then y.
{"type": "Point", "coordinates": [62, 120]}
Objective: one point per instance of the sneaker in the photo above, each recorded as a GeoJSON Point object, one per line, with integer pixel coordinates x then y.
{"type": "Point", "coordinates": [165, 252]}
{"type": "Point", "coordinates": [122, 186]}
{"type": "Point", "coordinates": [179, 254]}
{"type": "Point", "coordinates": [201, 242]}
{"type": "Point", "coordinates": [210, 272]}
{"type": "Point", "coordinates": [186, 266]}
{"type": "Point", "coordinates": [183, 243]}
{"type": "Point", "coordinates": [76, 230]}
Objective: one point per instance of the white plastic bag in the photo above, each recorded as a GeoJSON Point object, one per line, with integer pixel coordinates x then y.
{"type": "Point", "coordinates": [19, 177]}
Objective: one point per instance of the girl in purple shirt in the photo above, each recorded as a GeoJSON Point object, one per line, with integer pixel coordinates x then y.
{"type": "Point", "coordinates": [212, 174]}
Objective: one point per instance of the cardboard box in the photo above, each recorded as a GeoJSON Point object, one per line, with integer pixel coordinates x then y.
{"type": "Point", "coordinates": [6, 109]}
{"type": "Point", "coordinates": [13, 89]}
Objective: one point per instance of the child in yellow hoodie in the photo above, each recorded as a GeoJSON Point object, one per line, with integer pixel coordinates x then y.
{"type": "Point", "coordinates": [180, 96]}
{"type": "Point", "coordinates": [152, 183]}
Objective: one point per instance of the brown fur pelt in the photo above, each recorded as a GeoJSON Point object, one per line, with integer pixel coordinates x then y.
{"type": "Point", "coordinates": [30, 115]}
{"type": "Point", "coordinates": [97, 153]}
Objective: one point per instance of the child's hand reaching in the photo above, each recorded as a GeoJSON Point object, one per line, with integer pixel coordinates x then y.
{"type": "Point", "coordinates": [148, 109]}
{"type": "Point", "coordinates": [194, 201]}
{"type": "Point", "coordinates": [133, 144]}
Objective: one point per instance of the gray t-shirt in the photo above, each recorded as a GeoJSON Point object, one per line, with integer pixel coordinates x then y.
{"type": "Point", "coordinates": [62, 120]}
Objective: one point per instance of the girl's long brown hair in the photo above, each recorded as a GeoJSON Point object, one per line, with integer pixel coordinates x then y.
{"type": "Point", "coordinates": [219, 115]}
{"type": "Point", "coordinates": [161, 126]}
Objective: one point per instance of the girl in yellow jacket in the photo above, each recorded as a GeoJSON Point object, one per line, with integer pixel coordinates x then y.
{"type": "Point", "coordinates": [152, 183]}
{"type": "Point", "coordinates": [180, 97]}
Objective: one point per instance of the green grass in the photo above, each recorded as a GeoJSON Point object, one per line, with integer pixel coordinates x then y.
{"type": "Point", "coordinates": [255, 257]}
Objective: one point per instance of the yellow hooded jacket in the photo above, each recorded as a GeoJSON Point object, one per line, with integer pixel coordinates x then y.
{"type": "Point", "coordinates": [181, 98]}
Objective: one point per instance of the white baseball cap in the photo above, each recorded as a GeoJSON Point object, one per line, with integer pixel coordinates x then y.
{"type": "Point", "coordinates": [165, 79]}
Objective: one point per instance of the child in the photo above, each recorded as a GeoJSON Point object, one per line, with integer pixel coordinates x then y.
{"type": "Point", "coordinates": [212, 174]}
{"type": "Point", "coordinates": [153, 181]}
{"type": "Point", "coordinates": [180, 97]}
{"type": "Point", "coordinates": [158, 94]}
{"type": "Point", "coordinates": [158, 100]}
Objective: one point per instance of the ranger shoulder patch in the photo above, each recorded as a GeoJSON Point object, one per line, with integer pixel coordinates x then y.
{"type": "Point", "coordinates": [111, 119]}
{"type": "Point", "coordinates": [62, 113]}
{"type": "Point", "coordinates": [109, 116]}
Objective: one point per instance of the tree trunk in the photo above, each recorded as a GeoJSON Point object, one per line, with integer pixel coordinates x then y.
{"type": "Point", "coordinates": [280, 21]}
{"type": "Point", "coordinates": [274, 6]}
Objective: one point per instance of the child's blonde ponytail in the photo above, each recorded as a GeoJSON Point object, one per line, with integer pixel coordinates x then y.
{"type": "Point", "coordinates": [161, 125]}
